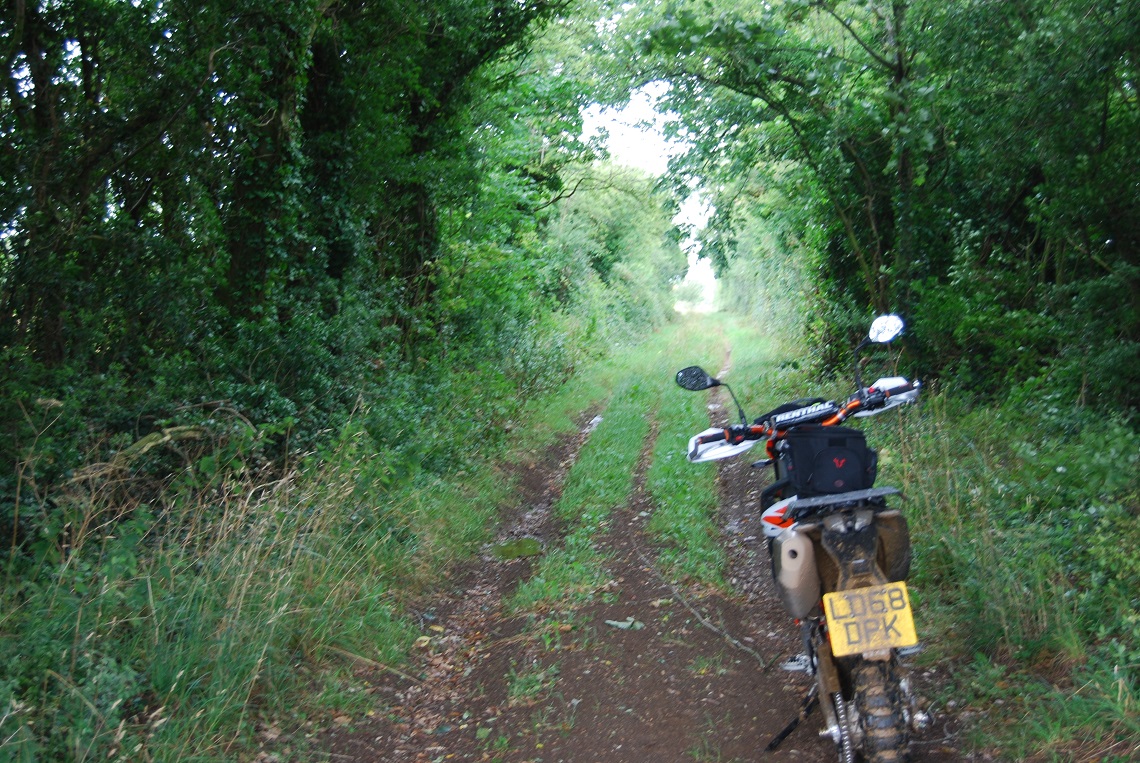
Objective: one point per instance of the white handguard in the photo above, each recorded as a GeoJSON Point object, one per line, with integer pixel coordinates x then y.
{"type": "Point", "coordinates": [894, 401]}
{"type": "Point", "coordinates": [714, 451]}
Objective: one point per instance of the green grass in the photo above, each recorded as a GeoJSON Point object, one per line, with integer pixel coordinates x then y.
{"type": "Point", "coordinates": [1025, 575]}
{"type": "Point", "coordinates": [530, 683]}
{"type": "Point", "coordinates": [684, 494]}
{"type": "Point", "coordinates": [163, 640]}
{"type": "Point", "coordinates": [242, 595]}
{"type": "Point", "coordinates": [600, 480]}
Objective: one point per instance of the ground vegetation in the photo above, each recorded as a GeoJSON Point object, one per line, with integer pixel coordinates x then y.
{"type": "Point", "coordinates": [277, 289]}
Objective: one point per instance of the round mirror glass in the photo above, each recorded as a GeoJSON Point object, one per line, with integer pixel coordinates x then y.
{"type": "Point", "coordinates": [885, 328]}
{"type": "Point", "coordinates": [695, 378]}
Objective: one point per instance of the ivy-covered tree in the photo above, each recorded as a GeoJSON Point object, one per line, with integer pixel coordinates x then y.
{"type": "Point", "coordinates": [218, 205]}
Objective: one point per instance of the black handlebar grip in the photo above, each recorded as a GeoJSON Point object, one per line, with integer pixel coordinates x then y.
{"type": "Point", "coordinates": [705, 439]}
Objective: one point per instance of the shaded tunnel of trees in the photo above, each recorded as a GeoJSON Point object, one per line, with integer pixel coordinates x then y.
{"type": "Point", "coordinates": [247, 245]}
{"type": "Point", "coordinates": [211, 205]}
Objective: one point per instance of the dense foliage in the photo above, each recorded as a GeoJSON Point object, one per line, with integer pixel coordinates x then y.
{"type": "Point", "coordinates": [971, 165]}
{"type": "Point", "coordinates": [211, 212]}
{"type": "Point", "coordinates": [231, 235]}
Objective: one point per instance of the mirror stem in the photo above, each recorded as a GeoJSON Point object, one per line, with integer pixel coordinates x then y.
{"type": "Point", "coordinates": [858, 375]}
{"type": "Point", "coordinates": [739, 410]}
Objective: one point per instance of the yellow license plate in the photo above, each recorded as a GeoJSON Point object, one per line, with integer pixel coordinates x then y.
{"type": "Point", "coordinates": [866, 619]}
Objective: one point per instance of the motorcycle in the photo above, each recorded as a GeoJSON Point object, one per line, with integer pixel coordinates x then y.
{"type": "Point", "coordinates": [840, 554]}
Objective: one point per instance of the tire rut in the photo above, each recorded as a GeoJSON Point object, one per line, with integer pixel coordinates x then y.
{"type": "Point", "coordinates": [431, 710]}
{"type": "Point", "coordinates": [680, 682]}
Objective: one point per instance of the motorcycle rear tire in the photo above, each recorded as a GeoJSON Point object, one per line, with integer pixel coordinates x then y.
{"type": "Point", "coordinates": [879, 703]}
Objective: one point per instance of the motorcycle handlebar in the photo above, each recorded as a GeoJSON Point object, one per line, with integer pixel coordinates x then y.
{"type": "Point", "coordinates": [705, 439]}
{"type": "Point", "coordinates": [869, 399]}
{"type": "Point", "coordinates": [873, 397]}
{"type": "Point", "coordinates": [735, 434]}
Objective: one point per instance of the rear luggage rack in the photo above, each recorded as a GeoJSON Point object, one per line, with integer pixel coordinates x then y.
{"type": "Point", "coordinates": [800, 505]}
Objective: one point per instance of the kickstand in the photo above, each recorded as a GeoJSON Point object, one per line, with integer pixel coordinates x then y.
{"type": "Point", "coordinates": [806, 707]}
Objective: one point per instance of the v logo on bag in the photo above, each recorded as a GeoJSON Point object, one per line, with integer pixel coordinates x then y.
{"type": "Point", "coordinates": [839, 462]}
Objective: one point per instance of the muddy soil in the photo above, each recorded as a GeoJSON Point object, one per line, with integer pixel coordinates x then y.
{"type": "Point", "coordinates": [695, 677]}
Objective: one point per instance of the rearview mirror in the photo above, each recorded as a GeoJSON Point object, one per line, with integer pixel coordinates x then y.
{"type": "Point", "coordinates": [695, 378]}
{"type": "Point", "coordinates": [885, 328]}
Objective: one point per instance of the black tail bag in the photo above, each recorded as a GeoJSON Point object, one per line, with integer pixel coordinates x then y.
{"type": "Point", "coordinates": [817, 460]}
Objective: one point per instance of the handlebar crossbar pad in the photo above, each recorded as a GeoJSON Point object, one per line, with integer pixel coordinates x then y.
{"type": "Point", "coordinates": [814, 412]}
{"type": "Point", "coordinates": [795, 405]}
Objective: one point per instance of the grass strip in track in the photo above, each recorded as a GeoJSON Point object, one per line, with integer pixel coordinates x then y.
{"type": "Point", "coordinates": [600, 480]}
{"type": "Point", "coordinates": [685, 494]}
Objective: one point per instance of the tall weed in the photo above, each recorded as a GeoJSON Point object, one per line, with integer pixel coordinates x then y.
{"type": "Point", "coordinates": [170, 633]}
{"type": "Point", "coordinates": [1024, 523]}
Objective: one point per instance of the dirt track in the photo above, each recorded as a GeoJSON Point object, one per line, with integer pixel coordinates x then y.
{"type": "Point", "coordinates": [699, 682]}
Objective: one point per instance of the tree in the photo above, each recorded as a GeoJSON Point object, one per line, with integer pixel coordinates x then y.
{"type": "Point", "coordinates": [967, 164]}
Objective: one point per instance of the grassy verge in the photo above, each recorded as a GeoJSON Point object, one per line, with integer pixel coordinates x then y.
{"type": "Point", "coordinates": [182, 635]}
{"type": "Point", "coordinates": [1025, 524]}
{"type": "Point", "coordinates": [189, 622]}
{"type": "Point", "coordinates": [176, 626]}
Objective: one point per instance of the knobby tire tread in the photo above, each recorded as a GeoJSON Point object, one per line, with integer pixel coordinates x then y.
{"type": "Point", "coordinates": [879, 702]}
